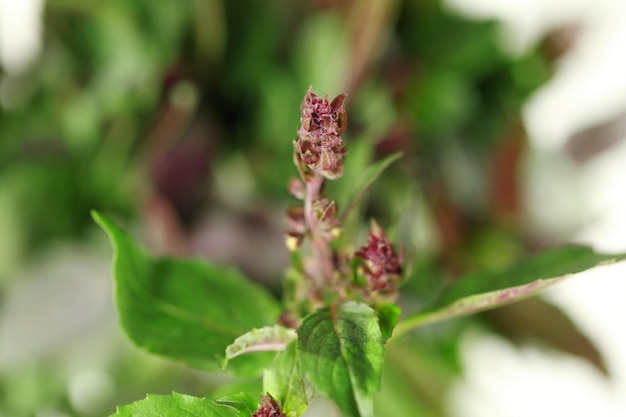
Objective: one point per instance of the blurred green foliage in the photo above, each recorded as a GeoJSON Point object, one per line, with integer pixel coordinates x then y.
{"type": "Point", "coordinates": [197, 102]}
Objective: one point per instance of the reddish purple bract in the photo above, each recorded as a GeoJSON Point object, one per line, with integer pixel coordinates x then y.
{"type": "Point", "coordinates": [319, 146]}
{"type": "Point", "coordinates": [269, 407]}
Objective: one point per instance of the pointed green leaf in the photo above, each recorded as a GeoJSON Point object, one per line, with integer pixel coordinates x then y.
{"type": "Point", "coordinates": [535, 319]}
{"type": "Point", "coordinates": [269, 338]}
{"type": "Point", "coordinates": [489, 289]}
{"type": "Point", "coordinates": [243, 404]}
{"type": "Point", "coordinates": [341, 353]}
{"type": "Point", "coordinates": [388, 316]}
{"type": "Point", "coordinates": [175, 405]}
{"type": "Point", "coordinates": [186, 310]}
{"type": "Point", "coordinates": [284, 381]}
{"type": "Point", "coordinates": [352, 199]}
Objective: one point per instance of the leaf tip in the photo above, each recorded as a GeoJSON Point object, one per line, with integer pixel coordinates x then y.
{"type": "Point", "coordinates": [101, 220]}
{"type": "Point", "coordinates": [109, 227]}
{"type": "Point", "coordinates": [224, 363]}
{"type": "Point", "coordinates": [95, 215]}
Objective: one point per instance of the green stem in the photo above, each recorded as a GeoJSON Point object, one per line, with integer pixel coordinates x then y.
{"type": "Point", "coordinates": [405, 326]}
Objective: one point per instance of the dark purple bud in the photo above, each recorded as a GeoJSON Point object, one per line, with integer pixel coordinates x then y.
{"type": "Point", "coordinates": [269, 407]}
{"type": "Point", "coordinates": [382, 267]}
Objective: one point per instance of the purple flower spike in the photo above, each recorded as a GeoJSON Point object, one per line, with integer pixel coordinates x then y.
{"type": "Point", "coordinates": [319, 145]}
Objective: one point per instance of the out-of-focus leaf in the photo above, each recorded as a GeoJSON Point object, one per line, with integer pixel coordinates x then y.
{"type": "Point", "coordinates": [414, 382]}
{"type": "Point", "coordinates": [321, 53]}
{"type": "Point", "coordinates": [535, 319]}
{"type": "Point", "coordinates": [489, 289]}
{"type": "Point", "coordinates": [247, 387]}
{"type": "Point", "coordinates": [354, 196]}
{"type": "Point", "coordinates": [186, 310]}
{"type": "Point", "coordinates": [175, 405]}
{"type": "Point", "coordinates": [441, 102]}
{"type": "Point", "coordinates": [341, 353]}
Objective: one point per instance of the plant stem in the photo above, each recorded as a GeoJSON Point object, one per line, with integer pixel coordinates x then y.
{"type": "Point", "coordinates": [313, 187]}
{"type": "Point", "coordinates": [323, 273]}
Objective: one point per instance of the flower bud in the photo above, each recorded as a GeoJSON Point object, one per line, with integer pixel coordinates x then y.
{"type": "Point", "coordinates": [296, 228]}
{"type": "Point", "coordinates": [381, 266]}
{"type": "Point", "coordinates": [319, 146]}
{"type": "Point", "coordinates": [296, 188]}
{"type": "Point", "coordinates": [269, 407]}
{"type": "Point", "coordinates": [328, 226]}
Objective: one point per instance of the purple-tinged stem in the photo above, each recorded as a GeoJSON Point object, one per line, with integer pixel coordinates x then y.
{"type": "Point", "coordinates": [321, 253]}
{"type": "Point", "coordinates": [313, 187]}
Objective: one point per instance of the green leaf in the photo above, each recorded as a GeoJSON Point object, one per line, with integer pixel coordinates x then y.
{"type": "Point", "coordinates": [175, 405]}
{"type": "Point", "coordinates": [537, 320]}
{"type": "Point", "coordinates": [341, 353]}
{"type": "Point", "coordinates": [365, 181]}
{"type": "Point", "coordinates": [415, 381]}
{"type": "Point", "coordinates": [247, 387]}
{"type": "Point", "coordinates": [242, 403]}
{"type": "Point", "coordinates": [388, 316]}
{"type": "Point", "coordinates": [186, 310]}
{"type": "Point", "coordinates": [269, 338]}
{"type": "Point", "coordinates": [488, 289]}
{"type": "Point", "coordinates": [251, 365]}
{"type": "Point", "coordinates": [284, 381]}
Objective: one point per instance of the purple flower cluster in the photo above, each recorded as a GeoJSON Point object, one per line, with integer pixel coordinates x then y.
{"type": "Point", "coordinates": [319, 146]}
{"type": "Point", "coordinates": [269, 407]}
{"type": "Point", "coordinates": [325, 270]}
{"type": "Point", "coordinates": [381, 265]}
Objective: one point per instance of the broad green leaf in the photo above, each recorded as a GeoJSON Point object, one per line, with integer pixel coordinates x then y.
{"type": "Point", "coordinates": [489, 289]}
{"type": "Point", "coordinates": [246, 387]}
{"type": "Point", "coordinates": [284, 381]}
{"type": "Point", "coordinates": [365, 181]}
{"type": "Point", "coordinates": [269, 338]}
{"type": "Point", "coordinates": [175, 405]}
{"type": "Point", "coordinates": [415, 378]}
{"type": "Point", "coordinates": [186, 310]}
{"type": "Point", "coordinates": [243, 404]}
{"type": "Point", "coordinates": [341, 353]}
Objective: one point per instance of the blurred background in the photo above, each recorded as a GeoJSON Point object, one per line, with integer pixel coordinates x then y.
{"type": "Point", "coordinates": [176, 118]}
